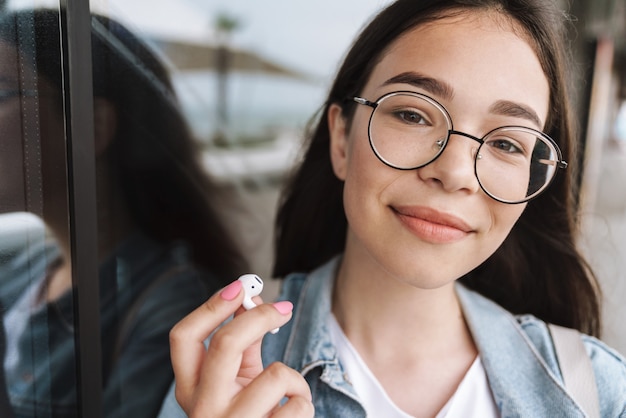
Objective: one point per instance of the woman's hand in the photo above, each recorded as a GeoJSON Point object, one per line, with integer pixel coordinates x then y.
{"type": "Point", "coordinates": [227, 379]}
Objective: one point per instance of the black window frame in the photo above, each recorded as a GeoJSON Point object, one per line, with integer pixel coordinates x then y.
{"type": "Point", "coordinates": [79, 121]}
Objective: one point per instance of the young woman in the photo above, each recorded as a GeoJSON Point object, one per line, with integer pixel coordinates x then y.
{"type": "Point", "coordinates": [432, 226]}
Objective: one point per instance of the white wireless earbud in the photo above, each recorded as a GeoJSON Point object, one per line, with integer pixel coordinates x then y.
{"type": "Point", "coordinates": [252, 286]}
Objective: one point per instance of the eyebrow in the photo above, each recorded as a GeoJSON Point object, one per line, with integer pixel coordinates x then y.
{"type": "Point", "coordinates": [518, 110]}
{"type": "Point", "coordinates": [431, 85]}
{"type": "Point", "coordinates": [445, 91]}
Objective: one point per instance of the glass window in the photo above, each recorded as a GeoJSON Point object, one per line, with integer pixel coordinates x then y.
{"type": "Point", "coordinates": [36, 286]}
{"type": "Point", "coordinates": [162, 248]}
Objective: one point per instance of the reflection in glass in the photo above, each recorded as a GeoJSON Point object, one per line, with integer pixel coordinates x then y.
{"type": "Point", "coordinates": [162, 248]}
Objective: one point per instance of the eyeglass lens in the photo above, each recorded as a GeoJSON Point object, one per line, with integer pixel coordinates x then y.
{"type": "Point", "coordinates": [513, 164]}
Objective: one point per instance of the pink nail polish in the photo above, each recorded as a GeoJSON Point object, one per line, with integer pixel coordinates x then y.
{"type": "Point", "coordinates": [283, 307]}
{"type": "Point", "coordinates": [231, 291]}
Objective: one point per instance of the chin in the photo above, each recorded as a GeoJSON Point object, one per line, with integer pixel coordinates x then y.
{"type": "Point", "coordinates": [423, 274]}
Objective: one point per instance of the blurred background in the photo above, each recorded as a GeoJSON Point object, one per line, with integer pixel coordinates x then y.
{"type": "Point", "coordinates": [251, 74]}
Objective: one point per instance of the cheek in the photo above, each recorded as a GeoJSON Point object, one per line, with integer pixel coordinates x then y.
{"type": "Point", "coordinates": [366, 176]}
{"type": "Point", "coordinates": [362, 183]}
{"type": "Point", "coordinates": [368, 189]}
{"type": "Point", "coordinates": [503, 218]}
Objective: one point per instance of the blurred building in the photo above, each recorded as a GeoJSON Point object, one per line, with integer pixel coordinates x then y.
{"type": "Point", "coordinates": [599, 44]}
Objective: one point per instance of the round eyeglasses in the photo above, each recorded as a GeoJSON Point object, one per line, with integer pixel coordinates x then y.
{"type": "Point", "coordinates": [513, 164]}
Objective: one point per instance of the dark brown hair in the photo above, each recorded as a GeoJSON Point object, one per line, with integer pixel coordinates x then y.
{"type": "Point", "coordinates": [538, 269]}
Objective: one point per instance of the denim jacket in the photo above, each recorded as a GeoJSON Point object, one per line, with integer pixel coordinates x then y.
{"type": "Point", "coordinates": [516, 351]}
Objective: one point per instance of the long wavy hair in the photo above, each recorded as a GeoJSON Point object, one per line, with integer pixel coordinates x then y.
{"type": "Point", "coordinates": [538, 269]}
{"type": "Point", "coordinates": [153, 156]}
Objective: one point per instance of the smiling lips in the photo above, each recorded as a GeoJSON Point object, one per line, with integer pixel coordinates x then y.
{"type": "Point", "coordinates": [432, 226]}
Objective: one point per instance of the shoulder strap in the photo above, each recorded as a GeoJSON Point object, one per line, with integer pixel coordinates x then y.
{"type": "Point", "coordinates": [576, 368]}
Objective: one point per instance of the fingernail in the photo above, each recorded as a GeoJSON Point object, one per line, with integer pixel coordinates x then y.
{"type": "Point", "coordinates": [283, 307]}
{"type": "Point", "coordinates": [231, 291]}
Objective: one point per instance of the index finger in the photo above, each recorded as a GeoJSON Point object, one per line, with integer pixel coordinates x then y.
{"type": "Point", "coordinates": [187, 337]}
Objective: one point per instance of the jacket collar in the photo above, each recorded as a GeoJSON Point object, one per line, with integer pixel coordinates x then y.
{"type": "Point", "coordinates": [310, 344]}
{"type": "Point", "coordinates": [520, 379]}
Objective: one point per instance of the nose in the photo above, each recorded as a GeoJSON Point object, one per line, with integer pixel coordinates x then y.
{"type": "Point", "coordinates": [453, 170]}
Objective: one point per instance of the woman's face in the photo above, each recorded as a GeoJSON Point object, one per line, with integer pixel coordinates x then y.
{"type": "Point", "coordinates": [432, 225]}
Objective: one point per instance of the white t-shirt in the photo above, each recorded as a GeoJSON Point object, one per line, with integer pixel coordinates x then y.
{"type": "Point", "coordinates": [472, 398]}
